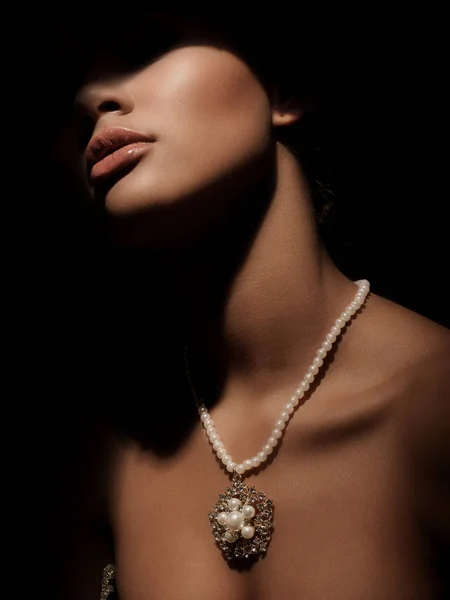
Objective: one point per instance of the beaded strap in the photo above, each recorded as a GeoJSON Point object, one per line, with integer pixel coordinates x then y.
{"type": "Point", "coordinates": [107, 582]}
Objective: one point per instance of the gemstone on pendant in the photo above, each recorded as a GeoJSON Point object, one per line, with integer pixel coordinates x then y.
{"type": "Point", "coordinates": [242, 521]}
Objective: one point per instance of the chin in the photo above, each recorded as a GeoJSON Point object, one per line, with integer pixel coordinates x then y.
{"type": "Point", "coordinates": [162, 212]}
{"type": "Point", "coordinates": [140, 206]}
{"type": "Point", "coordinates": [125, 208]}
{"type": "Point", "coordinates": [119, 198]}
{"type": "Point", "coordinates": [147, 222]}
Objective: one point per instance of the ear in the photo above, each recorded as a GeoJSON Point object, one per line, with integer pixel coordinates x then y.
{"type": "Point", "coordinates": [286, 112]}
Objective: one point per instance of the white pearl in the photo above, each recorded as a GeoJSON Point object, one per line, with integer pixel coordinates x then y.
{"type": "Point", "coordinates": [230, 537]}
{"type": "Point", "coordinates": [248, 532]}
{"type": "Point", "coordinates": [222, 518]}
{"type": "Point", "coordinates": [235, 520]}
{"type": "Point", "coordinates": [233, 503]}
{"type": "Point", "coordinates": [358, 300]}
{"type": "Point", "coordinates": [248, 511]}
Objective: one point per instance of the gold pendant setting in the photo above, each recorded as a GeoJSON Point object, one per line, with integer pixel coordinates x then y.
{"type": "Point", "coordinates": [242, 521]}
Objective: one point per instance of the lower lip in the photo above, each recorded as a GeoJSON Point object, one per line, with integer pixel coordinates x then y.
{"type": "Point", "coordinates": [121, 158]}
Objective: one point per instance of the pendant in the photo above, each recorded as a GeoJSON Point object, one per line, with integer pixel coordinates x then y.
{"type": "Point", "coordinates": [242, 521]}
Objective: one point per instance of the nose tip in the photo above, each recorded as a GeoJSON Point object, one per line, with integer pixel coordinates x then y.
{"type": "Point", "coordinates": [95, 105]}
{"type": "Point", "coordinates": [108, 106]}
{"type": "Point", "coordinates": [99, 98]}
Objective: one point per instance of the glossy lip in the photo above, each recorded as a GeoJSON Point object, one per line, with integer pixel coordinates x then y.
{"type": "Point", "coordinates": [109, 141]}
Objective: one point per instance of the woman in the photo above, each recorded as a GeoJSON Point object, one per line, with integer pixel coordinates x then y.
{"type": "Point", "coordinates": [327, 398]}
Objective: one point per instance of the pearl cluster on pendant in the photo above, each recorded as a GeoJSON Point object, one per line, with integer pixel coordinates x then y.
{"type": "Point", "coordinates": [288, 409]}
{"type": "Point", "coordinates": [237, 520]}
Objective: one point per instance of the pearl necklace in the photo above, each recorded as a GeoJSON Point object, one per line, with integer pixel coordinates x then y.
{"type": "Point", "coordinates": [242, 518]}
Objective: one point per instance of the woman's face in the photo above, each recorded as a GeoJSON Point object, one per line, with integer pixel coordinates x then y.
{"type": "Point", "coordinates": [189, 126]}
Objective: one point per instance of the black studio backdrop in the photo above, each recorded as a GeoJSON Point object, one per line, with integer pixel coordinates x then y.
{"type": "Point", "coordinates": [393, 164]}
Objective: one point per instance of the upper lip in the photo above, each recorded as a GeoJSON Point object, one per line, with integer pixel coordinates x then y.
{"type": "Point", "coordinates": [108, 140]}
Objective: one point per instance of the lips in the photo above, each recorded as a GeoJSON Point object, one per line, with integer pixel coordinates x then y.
{"type": "Point", "coordinates": [114, 149]}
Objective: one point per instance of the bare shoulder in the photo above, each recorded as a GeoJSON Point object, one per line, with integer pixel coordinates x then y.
{"type": "Point", "coordinates": [417, 337]}
{"type": "Point", "coordinates": [403, 345]}
{"type": "Point", "coordinates": [418, 351]}
{"type": "Point", "coordinates": [403, 358]}
{"type": "Point", "coordinates": [410, 352]}
{"type": "Point", "coordinates": [413, 354]}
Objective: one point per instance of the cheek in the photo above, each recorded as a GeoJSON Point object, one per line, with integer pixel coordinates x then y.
{"type": "Point", "coordinates": [212, 119]}
{"type": "Point", "coordinates": [209, 104]}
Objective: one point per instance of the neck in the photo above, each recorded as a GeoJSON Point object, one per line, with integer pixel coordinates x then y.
{"type": "Point", "coordinates": [256, 311]}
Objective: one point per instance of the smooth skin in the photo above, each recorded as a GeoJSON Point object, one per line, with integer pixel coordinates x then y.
{"type": "Point", "coordinates": [360, 480]}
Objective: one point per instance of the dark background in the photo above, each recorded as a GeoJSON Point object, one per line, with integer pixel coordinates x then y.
{"type": "Point", "coordinates": [390, 226]}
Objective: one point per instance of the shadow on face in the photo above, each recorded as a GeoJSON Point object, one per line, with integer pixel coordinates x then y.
{"type": "Point", "coordinates": [181, 86]}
